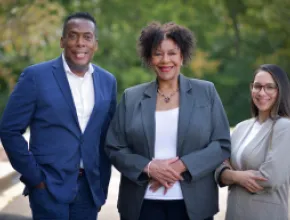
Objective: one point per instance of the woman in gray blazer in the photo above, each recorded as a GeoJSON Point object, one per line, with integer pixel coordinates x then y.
{"type": "Point", "coordinates": [259, 169]}
{"type": "Point", "coordinates": [168, 136]}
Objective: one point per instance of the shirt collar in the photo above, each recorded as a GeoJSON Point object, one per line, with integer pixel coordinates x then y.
{"type": "Point", "coordinates": [68, 71]}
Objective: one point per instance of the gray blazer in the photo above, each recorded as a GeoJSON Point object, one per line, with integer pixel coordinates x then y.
{"type": "Point", "coordinates": [203, 143]}
{"type": "Point", "coordinates": [273, 164]}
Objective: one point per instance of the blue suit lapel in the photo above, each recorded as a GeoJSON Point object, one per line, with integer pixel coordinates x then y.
{"type": "Point", "coordinates": [97, 91]}
{"type": "Point", "coordinates": [63, 84]}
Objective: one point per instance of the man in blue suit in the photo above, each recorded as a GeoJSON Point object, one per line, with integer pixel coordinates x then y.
{"type": "Point", "coordinates": [67, 103]}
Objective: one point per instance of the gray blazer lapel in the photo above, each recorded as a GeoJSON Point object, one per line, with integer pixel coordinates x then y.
{"type": "Point", "coordinates": [266, 127]}
{"type": "Point", "coordinates": [186, 106]}
{"type": "Point", "coordinates": [255, 142]}
{"type": "Point", "coordinates": [244, 132]}
{"type": "Point", "coordinates": [241, 134]}
{"type": "Point", "coordinates": [148, 107]}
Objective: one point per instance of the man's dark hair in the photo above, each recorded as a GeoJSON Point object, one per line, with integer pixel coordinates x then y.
{"type": "Point", "coordinates": [79, 15]}
{"type": "Point", "coordinates": [152, 35]}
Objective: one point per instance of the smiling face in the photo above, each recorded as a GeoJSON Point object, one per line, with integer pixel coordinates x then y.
{"type": "Point", "coordinates": [166, 60]}
{"type": "Point", "coordinates": [79, 44]}
{"type": "Point", "coordinates": [264, 92]}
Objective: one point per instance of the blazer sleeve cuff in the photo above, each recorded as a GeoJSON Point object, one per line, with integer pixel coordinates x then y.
{"type": "Point", "coordinates": [218, 173]}
{"type": "Point", "coordinates": [187, 176]}
{"type": "Point", "coordinates": [143, 178]}
{"type": "Point", "coordinates": [32, 182]}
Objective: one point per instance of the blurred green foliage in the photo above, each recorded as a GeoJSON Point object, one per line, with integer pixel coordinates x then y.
{"type": "Point", "coordinates": [233, 38]}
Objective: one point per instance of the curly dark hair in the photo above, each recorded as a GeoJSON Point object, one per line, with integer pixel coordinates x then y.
{"type": "Point", "coordinates": [152, 35]}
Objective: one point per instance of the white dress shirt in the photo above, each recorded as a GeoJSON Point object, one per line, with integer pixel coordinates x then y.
{"type": "Point", "coordinates": [82, 89]}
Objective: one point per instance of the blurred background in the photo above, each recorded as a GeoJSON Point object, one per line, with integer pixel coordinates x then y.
{"type": "Point", "coordinates": [233, 38]}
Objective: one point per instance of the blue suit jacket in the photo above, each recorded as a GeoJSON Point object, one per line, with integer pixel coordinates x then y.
{"type": "Point", "coordinates": [42, 100]}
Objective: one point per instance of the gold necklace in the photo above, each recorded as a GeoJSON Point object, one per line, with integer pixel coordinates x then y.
{"type": "Point", "coordinates": [167, 98]}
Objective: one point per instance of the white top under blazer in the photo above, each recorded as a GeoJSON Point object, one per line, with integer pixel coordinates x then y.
{"type": "Point", "coordinates": [165, 148]}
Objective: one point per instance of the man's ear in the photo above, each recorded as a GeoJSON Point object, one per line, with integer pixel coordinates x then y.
{"type": "Point", "coordinates": [181, 60]}
{"type": "Point", "coordinates": [96, 45]}
{"type": "Point", "coordinates": [61, 42]}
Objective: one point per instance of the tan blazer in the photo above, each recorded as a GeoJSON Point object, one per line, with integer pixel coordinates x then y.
{"type": "Point", "coordinates": [273, 164]}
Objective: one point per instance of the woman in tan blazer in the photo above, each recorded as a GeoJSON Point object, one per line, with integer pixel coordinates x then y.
{"type": "Point", "coordinates": [259, 168]}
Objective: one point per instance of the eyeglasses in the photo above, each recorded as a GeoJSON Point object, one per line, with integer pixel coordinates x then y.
{"type": "Point", "coordinates": [269, 88]}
